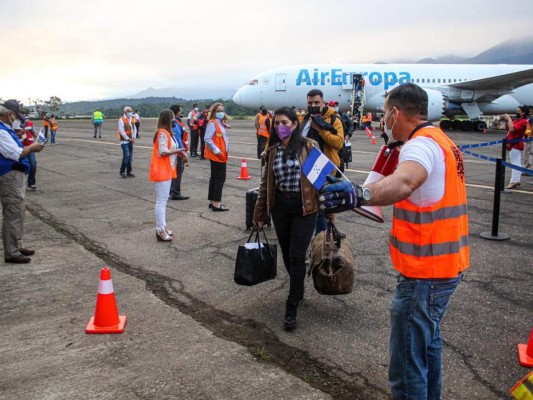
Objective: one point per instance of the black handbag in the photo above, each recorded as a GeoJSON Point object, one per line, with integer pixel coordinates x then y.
{"type": "Point", "coordinates": [256, 262]}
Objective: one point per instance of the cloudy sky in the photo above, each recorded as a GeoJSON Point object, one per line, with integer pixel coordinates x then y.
{"type": "Point", "coordinates": [82, 50]}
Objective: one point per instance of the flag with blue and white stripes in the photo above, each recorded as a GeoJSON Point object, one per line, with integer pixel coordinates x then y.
{"type": "Point", "coordinates": [41, 137]}
{"type": "Point", "coordinates": [317, 167]}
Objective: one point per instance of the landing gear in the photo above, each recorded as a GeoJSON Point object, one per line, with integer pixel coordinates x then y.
{"type": "Point", "coordinates": [463, 125]}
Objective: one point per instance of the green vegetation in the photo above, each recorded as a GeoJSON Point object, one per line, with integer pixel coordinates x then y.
{"type": "Point", "coordinates": [148, 107]}
{"type": "Point", "coordinates": [261, 353]}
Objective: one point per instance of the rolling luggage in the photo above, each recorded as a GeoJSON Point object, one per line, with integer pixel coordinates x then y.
{"type": "Point", "coordinates": [251, 199]}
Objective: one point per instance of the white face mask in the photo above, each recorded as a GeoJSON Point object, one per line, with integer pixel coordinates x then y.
{"type": "Point", "coordinates": [16, 124]}
{"type": "Point", "coordinates": [129, 114]}
{"type": "Point", "coordinates": [388, 130]}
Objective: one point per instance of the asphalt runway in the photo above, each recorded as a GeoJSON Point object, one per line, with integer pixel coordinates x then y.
{"type": "Point", "coordinates": [84, 216]}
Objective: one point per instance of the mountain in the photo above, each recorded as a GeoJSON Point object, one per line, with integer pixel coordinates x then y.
{"type": "Point", "coordinates": [187, 93]}
{"type": "Point", "coordinates": [513, 51]}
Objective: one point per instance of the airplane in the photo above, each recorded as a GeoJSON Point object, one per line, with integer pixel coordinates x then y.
{"type": "Point", "coordinates": [453, 89]}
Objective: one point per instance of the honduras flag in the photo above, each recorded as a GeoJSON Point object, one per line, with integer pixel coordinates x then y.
{"type": "Point", "coordinates": [41, 137]}
{"type": "Point", "coordinates": [317, 167]}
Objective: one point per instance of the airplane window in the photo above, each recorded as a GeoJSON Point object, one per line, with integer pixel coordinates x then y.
{"type": "Point", "coordinates": [433, 80]}
{"type": "Point", "coordinates": [438, 80]}
{"type": "Point", "coordinates": [422, 80]}
{"type": "Point", "coordinates": [253, 82]}
{"type": "Point", "coordinates": [449, 81]}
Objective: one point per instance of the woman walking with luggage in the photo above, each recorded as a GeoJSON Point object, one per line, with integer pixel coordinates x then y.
{"type": "Point", "coordinates": [291, 198]}
{"type": "Point", "coordinates": [162, 169]}
{"type": "Point", "coordinates": [216, 150]}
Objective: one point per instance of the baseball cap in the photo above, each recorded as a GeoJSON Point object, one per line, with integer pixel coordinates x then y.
{"type": "Point", "coordinates": [333, 103]}
{"type": "Point", "coordinates": [13, 105]}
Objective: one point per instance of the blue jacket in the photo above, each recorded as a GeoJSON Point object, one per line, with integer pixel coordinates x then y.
{"type": "Point", "coordinates": [7, 164]}
{"type": "Point", "coordinates": [178, 133]}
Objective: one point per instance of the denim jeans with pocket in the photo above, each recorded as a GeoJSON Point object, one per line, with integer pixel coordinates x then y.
{"type": "Point", "coordinates": [417, 308]}
{"type": "Point", "coordinates": [127, 156]}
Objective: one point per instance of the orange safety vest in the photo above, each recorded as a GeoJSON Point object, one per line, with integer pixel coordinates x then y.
{"type": "Point", "coordinates": [53, 124]}
{"type": "Point", "coordinates": [45, 122]}
{"type": "Point", "coordinates": [263, 131]}
{"type": "Point", "coordinates": [218, 140]}
{"type": "Point", "coordinates": [160, 167]}
{"type": "Point", "coordinates": [529, 132]}
{"type": "Point", "coordinates": [432, 241]}
{"type": "Point", "coordinates": [127, 128]}
{"type": "Point", "coordinates": [194, 122]}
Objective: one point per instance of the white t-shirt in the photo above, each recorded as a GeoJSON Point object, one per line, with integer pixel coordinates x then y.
{"type": "Point", "coordinates": [430, 155]}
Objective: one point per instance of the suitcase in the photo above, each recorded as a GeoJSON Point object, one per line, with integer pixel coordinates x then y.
{"type": "Point", "coordinates": [251, 199]}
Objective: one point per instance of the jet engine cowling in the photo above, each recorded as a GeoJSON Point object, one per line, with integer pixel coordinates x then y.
{"type": "Point", "coordinates": [436, 104]}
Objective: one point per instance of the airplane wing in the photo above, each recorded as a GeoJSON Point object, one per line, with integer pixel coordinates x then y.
{"type": "Point", "coordinates": [507, 82]}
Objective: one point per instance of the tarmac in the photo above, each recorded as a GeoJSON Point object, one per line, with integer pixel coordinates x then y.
{"type": "Point", "coordinates": [192, 333]}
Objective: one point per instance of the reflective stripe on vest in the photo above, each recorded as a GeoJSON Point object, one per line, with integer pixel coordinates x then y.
{"type": "Point", "coordinates": [218, 140]}
{"type": "Point", "coordinates": [160, 168]}
{"type": "Point", "coordinates": [523, 390]}
{"type": "Point", "coordinates": [432, 241]}
{"type": "Point", "coordinates": [263, 131]}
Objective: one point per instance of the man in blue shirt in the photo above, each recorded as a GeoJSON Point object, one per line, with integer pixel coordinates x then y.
{"type": "Point", "coordinates": [177, 128]}
{"type": "Point", "coordinates": [14, 166]}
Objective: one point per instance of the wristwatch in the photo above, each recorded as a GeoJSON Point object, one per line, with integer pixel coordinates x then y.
{"type": "Point", "coordinates": [363, 195]}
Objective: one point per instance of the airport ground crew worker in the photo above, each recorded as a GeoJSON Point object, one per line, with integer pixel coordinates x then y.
{"type": "Point", "coordinates": [193, 126]}
{"type": "Point", "coordinates": [14, 165]}
{"type": "Point", "coordinates": [428, 241]}
{"type": "Point", "coordinates": [216, 150]}
{"type": "Point", "coordinates": [178, 128]}
{"type": "Point", "coordinates": [318, 125]}
{"type": "Point", "coordinates": [263, 131]}
{"type": "Point", "coordinates": [137, 117]}
{"type": "Point", "coordinates": [98, 121]}
{"type": "Point", "coordinates": [53, 129]}
{"type": "Point", "coordinates": [527, 154]}
{"type": "Point", "coordinates": [516, 130]}
{"type": "Point", "coordinates": [126, 135]}
{"type": "Point", "coordinates": [46, 125]}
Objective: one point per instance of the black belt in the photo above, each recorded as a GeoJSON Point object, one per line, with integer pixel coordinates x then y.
{"type": "Point", "coordinates": [18, 167]}
{"type": "Point", "coordinates": [289, 195]}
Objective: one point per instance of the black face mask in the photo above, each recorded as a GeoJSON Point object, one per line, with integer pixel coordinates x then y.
{"type": "Point", "coordinates": [518, 115]}
{"type": "Point", "coordinates": [313, 110]}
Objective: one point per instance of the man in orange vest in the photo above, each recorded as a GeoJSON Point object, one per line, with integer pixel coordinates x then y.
{"type": "Point", "coordinates": [126, 136]}
{"type": "Point", "coordinates": [428, 241]}
{"type": "Point", "coordinates": [46, 125]}
{"type": "Point", "coordinates": [262, 126]}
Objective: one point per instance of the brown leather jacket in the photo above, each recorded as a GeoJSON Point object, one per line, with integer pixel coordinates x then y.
{"type": "Point", "coordinates": [267, 189]}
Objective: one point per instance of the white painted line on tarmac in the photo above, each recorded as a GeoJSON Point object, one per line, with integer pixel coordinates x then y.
{"type": "Point", "coordinates": [255, 159]}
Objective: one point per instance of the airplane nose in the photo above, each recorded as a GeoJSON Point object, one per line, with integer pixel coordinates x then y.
{"type": "Point", "coordinates": [237, 98]}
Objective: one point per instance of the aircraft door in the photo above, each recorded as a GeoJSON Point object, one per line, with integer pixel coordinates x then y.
{"type": "Point", "coordinates": [281, 85]}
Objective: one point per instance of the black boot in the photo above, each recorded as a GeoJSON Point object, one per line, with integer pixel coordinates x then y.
{"type": "Point", "coordinates": [290, 314]}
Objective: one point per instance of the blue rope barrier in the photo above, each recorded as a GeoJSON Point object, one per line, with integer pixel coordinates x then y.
{"type": "Point", "coordinates": [521, 169]}
{"type": "Point", "coordinates": [475, 145]}
{"type": "Point", "coordinates": [482, 156]}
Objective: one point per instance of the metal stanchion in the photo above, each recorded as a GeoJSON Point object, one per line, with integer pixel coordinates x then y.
{"type": "Point", "coordinates": [494, 234]}
{"type": "Point", "coordinates": [504, 158]}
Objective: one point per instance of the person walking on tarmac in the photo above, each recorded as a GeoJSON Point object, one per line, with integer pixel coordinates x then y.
{"type": "Point", "coordinates": [98, 121]}
{"type": "Point", "coordinates": [137, 117]}
{"type": "Point", "coordinates": [193, 126]}
{"type": "Point", "coordinates": [165, 153]}
{"type": "Point", "coordinates": [216, 150]}
{"type": "Point", "coordinates": [516, 130]}
{"type": "Point", "coordinates": [202, 125]}
{"type": "Point", "coordinates": [14, 165]}
{"type": "Point", "coordinates": [178, 128]}
{"type": "Point", "coordinates": [46, 125]}
{"type": "Point", "coordinates": [320, 125]}
{"type": "Point", "coordinates": [428, 242]}
{"type": "Point", "coordinates": [291, 199]}
{"type": "Point", "coordinates": [263, 128]}
{"type": "Point", "coordinates": [126, 136]}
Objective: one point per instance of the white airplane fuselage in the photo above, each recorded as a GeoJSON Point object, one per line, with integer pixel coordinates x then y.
{"type": "Point", "coordinates": [288, 86]}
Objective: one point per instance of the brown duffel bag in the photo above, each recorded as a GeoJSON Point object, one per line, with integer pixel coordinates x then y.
{"type": "Point", "coordinates": [332, 263]}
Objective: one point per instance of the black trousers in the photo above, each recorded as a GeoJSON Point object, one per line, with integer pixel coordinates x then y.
{"type": "Point", "coordinates": [194, 141]}
{"type": "Point", "coordinates": [137, 126]}
{"type": "Point", "coordinates": [294, 232]}
{"type": "Point", "coordinates": [261, 144]}
{"type": "Point", "coordinates": [216, 181]}
{"type": "Point", "coordinates": [46, 132]}
{"type": "Point", "coordinates": [175, 188]}
{"type": "Point", "coordinates": [202, 142]}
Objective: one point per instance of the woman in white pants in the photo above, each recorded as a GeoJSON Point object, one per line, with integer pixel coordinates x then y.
{"type": "Point", "coordinates": [163, 169]}
{"type": "Point", "coordinates": [516, 130]}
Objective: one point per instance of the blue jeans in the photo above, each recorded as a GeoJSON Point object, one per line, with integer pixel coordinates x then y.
{"type": "Point", "coordinates": [127, 156]}
{"type": "Point", "coordinates": [416, 311]}
{"type": "Point", "coordinates": [53, 138]}
{"type": "Point", "coordinates": [33, 169]}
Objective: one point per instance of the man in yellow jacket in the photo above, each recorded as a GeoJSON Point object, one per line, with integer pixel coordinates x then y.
{"type": "Point", "coordinates": [321, 124]}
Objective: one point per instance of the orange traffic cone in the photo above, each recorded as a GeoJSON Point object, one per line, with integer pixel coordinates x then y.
{"type": "Point", "coordinates": [368, 133]}
{"type": "Point", "coordinates": [373, 128]}
{"type": "Point", "coordinates": [244, 171]}
{"type": "Point", "coordinates": [525, 352]}
{"type": "Point", "coordinates": [373, 141]}
{"type": "Point", "coordinates": [106, 318]}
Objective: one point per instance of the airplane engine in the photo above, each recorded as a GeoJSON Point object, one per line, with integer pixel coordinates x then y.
{"type": "Point", "coordinates": [436, 104]}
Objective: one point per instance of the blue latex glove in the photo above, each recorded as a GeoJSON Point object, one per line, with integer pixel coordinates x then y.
{"type": "Point", "coordinates": [338, 195]}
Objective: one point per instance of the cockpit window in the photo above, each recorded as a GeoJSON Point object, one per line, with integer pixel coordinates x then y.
{"type": "Point", "coordinates": [252, 82]}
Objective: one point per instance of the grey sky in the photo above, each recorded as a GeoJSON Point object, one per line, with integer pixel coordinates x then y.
{"type": "Point", "coordinates": [89, 50]}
